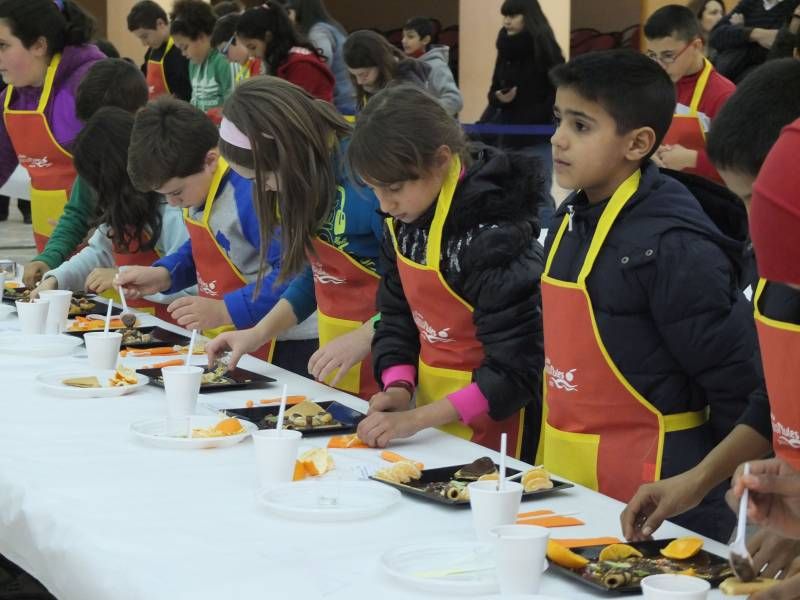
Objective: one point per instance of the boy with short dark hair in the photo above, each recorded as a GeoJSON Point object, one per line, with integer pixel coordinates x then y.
{"type": "Point", "coordinates": [174, 152]}
{"type": "Point", "coordinates": [166, 69]}
{"type": "Point", "coordinates": [417, 42]}
{"type": "Point", "coordinates": [675, 42]}
{"type": "Point", "coordinates": [650, 348]}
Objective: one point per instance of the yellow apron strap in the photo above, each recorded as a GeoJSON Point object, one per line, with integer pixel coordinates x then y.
{"type": "Point", "coordinates": [49, 77]}
{"type": "Point", "coordinates": [792, 327]}
{"type": "Point", "coordinates": [170, 44]}
{"type": "Point", "coordinates": [687, 420]}
{"type": "Point", "coordinates": [762, 283]}
{"type": "Point", "coordinates": [610, 214]}
{"type": "Point", "coordinates": [222, 168]}
{"type": "Point", "coordinates": [556, 244]}
{"type": "Point", "coordinates": [700, 87]}
{"type": "Point", "coordinates": [433, 255]}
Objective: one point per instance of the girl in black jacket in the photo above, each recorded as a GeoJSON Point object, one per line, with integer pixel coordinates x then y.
{"type": "Point", "coordinates": [460, 329]}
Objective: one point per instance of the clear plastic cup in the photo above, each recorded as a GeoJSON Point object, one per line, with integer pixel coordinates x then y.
{"type": "Point", "coordinates": [492, 507]}
{"type": "Point", "coordinates": [103, 348]}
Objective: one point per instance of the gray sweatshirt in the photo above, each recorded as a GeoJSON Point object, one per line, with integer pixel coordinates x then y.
{"type": "Point", "coordinates": [440, 80]}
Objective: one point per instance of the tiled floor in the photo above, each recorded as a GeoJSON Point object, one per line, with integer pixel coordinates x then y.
{"type": "Point", "coordinates": [16, 238]}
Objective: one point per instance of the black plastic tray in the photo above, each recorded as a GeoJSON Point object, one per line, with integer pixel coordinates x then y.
{"type": "Point", "coordinates": [11, 295]}
{"type": "Point", "coordinates": [346, 419]}
{"type": "Point", "coordinates": [100, 308]}
{"type": "Point", "coordinates": [238, 378]}
{"type": "Point", "coordinates": [416, 488]}
{"type": "Point", "coordinates": [160, 337]}
{"type": "Point", "coordinates": [648, 549]}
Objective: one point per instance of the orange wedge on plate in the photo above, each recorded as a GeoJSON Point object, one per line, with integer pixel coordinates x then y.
{"type": "Point", "coordinates": [682, 548]}
{"type": "Point", "coordinates": [316, 461]}
{"type": "Point", "coordinates": [564, 556]}
{"type": "Point", "coordinates": [230, 426]}
{"type": "Point", "coordinates": [618, 552]}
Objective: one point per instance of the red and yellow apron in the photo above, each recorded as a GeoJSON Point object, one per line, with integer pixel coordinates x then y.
{"type": "Point", "coordinates": [156, 75]}
{"type": "Point", "coordinates": [346, 292]}
{"type": "Point", "coordinates": [250, 69]}
{"type": "Point", "coordinates": [449, 348]}
{"type": "Point", "coordinates": [216, 274]}
{"type": "Point", "coordinates": [598, 431]}
{"type": "Point", "coordinates": [780, 355]}
{"type": "Point", "coordinates": [48, 164]}
{"type": "Point", "coordinates": [141, 258]}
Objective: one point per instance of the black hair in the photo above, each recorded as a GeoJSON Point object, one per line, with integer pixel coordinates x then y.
{"type": "Point", "coordinates": [745, 129]}
{"type": "Point", "coordinates": [170, 138]}
{"type": "Point", "coordinates": [547, 51]}
{"type": "Point", "coordinates": [61, 27]}
{"type": "Point", "coordinates": [310, 12]}
{"type": "Point", "coordinates": [672, 20]}
{"type": "Point", "coordinates": [228, 7]}
{"type": "Point", "coordinates": [271, 18]}
{"type": "Point", "coordinates": [101, 159]}
{"type": "Point", "coordinates": [110, 82]}
{"type": "Point", "coordinates": [701, 7]}
{"type": "Point", "coordinates": [192, 18]}
{"type": "Point", "coordinates": [145, 15]}
{"type": "Point", "coordinates": [224, 29]}
{"type": "Point", "coordinates": [630, 87]}
{"type": "Point", "coordinates": [107, 48]}
{"type": "Point", "coordinates": [422, 25]}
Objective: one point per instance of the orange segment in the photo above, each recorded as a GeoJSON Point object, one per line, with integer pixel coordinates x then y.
{"type": "Point", "coordinates": [682, 548]}
{"type": "Point", "coordinates": [299, 471]}
{"type": "Point", "coordinates": [346, 441]}
{"type": "Point", "coordinates": [618, 552]}
{"type": "Point", "coordinates": [230, 426]}
{"type": "Point", "coordinates": [316, 461]}
{"type": "Point", "coordinates": [393, 457]}
{"type": "Point", "coordinates": [565, 557]}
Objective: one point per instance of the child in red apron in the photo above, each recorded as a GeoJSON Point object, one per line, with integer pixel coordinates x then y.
{"type": "Point", "coordinates": [330, 230]}
{"type": "Point", "coordinates": [460, 330]}
{"type": "Point", "coordinates": [173, 151]}
{"type": "Point", "coordinates": [166, 69]}
{"type": "Point", "coordinates": [39, 119]}
{"type": "Point", "coordinates": [675, 41]}
{"type": "Point", "coordinates": [135, 228]}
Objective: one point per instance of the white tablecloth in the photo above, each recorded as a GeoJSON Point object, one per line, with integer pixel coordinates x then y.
{"type": "Point", "coordinates": [96, 515]}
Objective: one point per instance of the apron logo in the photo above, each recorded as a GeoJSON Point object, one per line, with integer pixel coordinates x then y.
{"type": "Point", "coordinates": [429, 333]}
{"type": "Point", "coordinates": [786, 435]}
{"type": "Point", "coordinates": [206, 288]}
{"type": "Point", "coordinates": [559, 379]}
{"type": "Point", "coordinates": [30, 162]}
{"type": "Point", "coordinates": [321, 276]}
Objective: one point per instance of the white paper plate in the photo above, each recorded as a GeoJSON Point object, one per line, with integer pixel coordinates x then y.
{"type": "Point", "coordinates": [466, 568]}
{"type": "Point", "coordinates": [38, 346]}
{"type": "Point", "coordinates": [328, 500]}
{"type": "Point", "coordinates": [6, 310]}
{"type": "Point", "coordinates": [153, 432]}
{"type": "Point", "coordinates": [53, 381]}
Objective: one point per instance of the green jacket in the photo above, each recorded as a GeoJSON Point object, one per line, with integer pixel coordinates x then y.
{"type": "Point", "coordinates": [72, 227]}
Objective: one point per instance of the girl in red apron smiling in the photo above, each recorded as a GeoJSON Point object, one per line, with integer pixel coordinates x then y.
{"type": "Point", "coordinates": [135, 228]}
{"type": "Point", "coordinates": [460, 329]}
{"type": "Point", "coordinates": [43, 56]}
{"type": "Point", "coordinates": [292, 146]}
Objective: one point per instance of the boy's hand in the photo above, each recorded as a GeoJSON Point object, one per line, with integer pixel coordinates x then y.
{"type": "Point", "coordinates": [737, 19]}
{"type": "Point", "coordinates": [47, 284]}
{"type": "Point", "coordinates": [506, 96]}
{"type": "Point", "coordinates": [379, 428]}
{"type": "Point", "coordinates": [774, 501]}
{"type": "Point", "coordinates": [194, 312]}
{"type": "Point", "coordinates": [143, 281]}
{"type": "Point", "coordinates": [237, 342]}
{"type": "Point", "coordinates": [656, 502]}
{"type": "Point", "coordinates": [100, 280]}
{"type": "Point", "coordinates": [342, 353]}
{"type": "Point", "coordinates": [773, 554]}
{"type": "Point", "coordinates": [676, 157]}
{"type": "Point", "coordinates": [33, 273]}
{"type": "Point", "coordinates": [394, 399]}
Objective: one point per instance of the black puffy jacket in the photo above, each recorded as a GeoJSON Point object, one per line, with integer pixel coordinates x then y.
{"type": "Point", "coordinates": [492, 260]}
{"type": "Point", "coordinates": [666, 291]}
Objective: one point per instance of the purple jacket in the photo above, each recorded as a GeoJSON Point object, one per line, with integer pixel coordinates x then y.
{"type": "Point", "coordinates": [60, 109]}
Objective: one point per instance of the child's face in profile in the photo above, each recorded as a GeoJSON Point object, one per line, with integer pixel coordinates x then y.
{"type": "Point", "coordinates": [412, 43]}
{"type": "Point", "coordinates": [740, 183]}
{"type": "Point", "coordinates": [366, 77]}
{"type": "Point", "coordinates": [514, 24]}
{"type": "Point", "coordinates": [191, 191]}
{"type": "Point", "coordinates": [676, 56]}
{"type": "Point", "coordinates": [151, 38]}
{"type": "Point", "coordinates": [588, 151]}
{"type": "Point", "coordinates": [407, 201]}
{"type": "Point", "coordinates": [195, 50]}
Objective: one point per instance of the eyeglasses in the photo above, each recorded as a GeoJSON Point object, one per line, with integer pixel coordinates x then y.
{"type": "Point", "coordinates": [228, 44]}
{"type": "Point", "coordinates": [667, 58]}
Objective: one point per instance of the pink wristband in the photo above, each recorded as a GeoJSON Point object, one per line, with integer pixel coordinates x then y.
{"type": "Point", "coordinates": [470, 403]}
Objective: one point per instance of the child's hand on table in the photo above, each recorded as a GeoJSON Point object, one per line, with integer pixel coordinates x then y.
{"type": "Point", "coordinates": [100, 280]}
{"type": "Point", "coordinates": [237, 342]}
{"type": "Point", "coordinates": [33, 273]}
{"type": "Point", "coordinates": [51, 283]}
{"type": "Point", "coordinates": [143, 281]}
{"type": "Point", "coordinates": [195, 312]}
{"type": "Point", "coordinates": [341, 353]}
{"type": "Point", "coordinates": [393, 399]}
{"type": "Point", "coordinates": [380, 428]}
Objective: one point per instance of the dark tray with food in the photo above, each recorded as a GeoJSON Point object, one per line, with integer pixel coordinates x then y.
{"type": "Point", "coordinates": [620, 568]}
{"type": "Point", "coordinates": [13, 293]}
{"type": "Point", "coordinates": [143, 337]}
{"type": "Point", "coordinates": [216, 379]}
{"type": "Point", "coordinates": [82, 305]}
{"type": "Point", "coordinates": [448, 485]}
{"type": "Point", "coordinates": [310, 418]}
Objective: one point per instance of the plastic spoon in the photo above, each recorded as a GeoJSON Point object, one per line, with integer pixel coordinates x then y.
{"type": "Point", "coordinates": [740, 559]}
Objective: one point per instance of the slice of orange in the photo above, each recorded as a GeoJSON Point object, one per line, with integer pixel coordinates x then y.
{"type": "Point", "coordinates": [682, 548]}
{"type": "Point", "coordinates": [316, 461]}
{"type": "Point", "coordinates": [299, 471]}
{"type": "Point", "coordinates": [618, 552]}
{"type": "Point", "coordinates": [564, 556]}
{"type": "Point", "coordinates": [230, 426]}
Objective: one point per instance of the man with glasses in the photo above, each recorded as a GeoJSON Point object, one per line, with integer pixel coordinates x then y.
{"type": "Point", "coordinates": [675, 42]}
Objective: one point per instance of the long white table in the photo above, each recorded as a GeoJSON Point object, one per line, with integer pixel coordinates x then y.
{"type": "Point", "coordinates": [96, 515]}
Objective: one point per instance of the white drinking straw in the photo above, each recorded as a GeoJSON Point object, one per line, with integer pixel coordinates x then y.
{"type": "Point", "coordinates": [282, 409]}
{"type": "Point", "coordinates": [108, 316]}
{"type": "Point", "coordinates": [122, 297]}
{"type": "Point", "coordinates": [191, 348]}
{"type": "Point", "coordinates": [501, 482]}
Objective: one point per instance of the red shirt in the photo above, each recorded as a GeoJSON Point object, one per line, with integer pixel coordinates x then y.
{"type": "Point", "coordinates": [306, 69]}
{"type": "Point", "coordinates": [718, 90]}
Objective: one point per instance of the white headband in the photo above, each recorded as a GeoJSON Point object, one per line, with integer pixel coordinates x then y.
{"type": "Point", "coordinates": [231, 134]}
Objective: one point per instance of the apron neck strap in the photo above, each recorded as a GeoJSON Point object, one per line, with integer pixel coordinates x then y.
{"type": "Point", "coordinates": [170, 44]}
{"type": "Point", "coordinates": [47, 88]}
{"type": "Point", "coordinates": [443, 203]}
{"type": "Point", "coordinates": [213, 188]}
{"type": "Point", "coordinates": [762, 283]}
{"type": "Point", "coordinates": [700, 87]}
